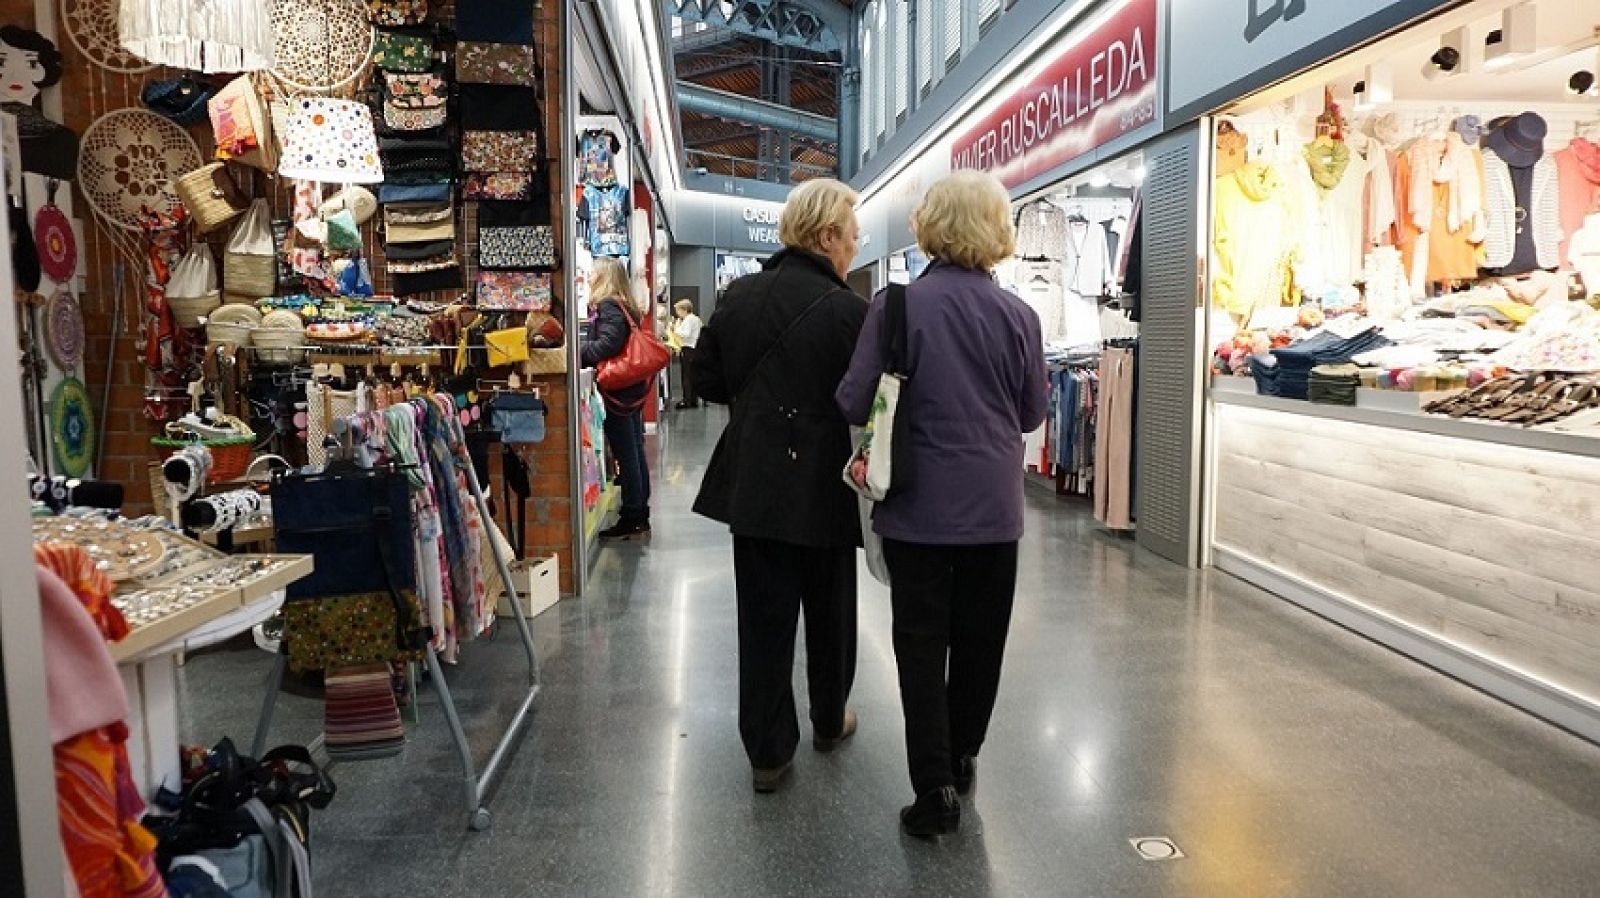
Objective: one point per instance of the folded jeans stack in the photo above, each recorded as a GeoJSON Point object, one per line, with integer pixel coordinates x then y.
{"type": "Point", "coordinates": [1289, 372]}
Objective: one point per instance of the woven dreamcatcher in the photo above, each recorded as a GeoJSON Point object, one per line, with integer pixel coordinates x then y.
{"type": "Point", "coordinates": [92, 28]}
{"type": "Point", "coordinates": [71, 427]}
{"type": "Point", "coordinates": [320, 45]}
{"type": "Point", "coordinates": [63, 330]}
{"type": "Point", "coordinates": [129, 161]}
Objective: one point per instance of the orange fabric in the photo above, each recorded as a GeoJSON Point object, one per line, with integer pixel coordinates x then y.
{"type": "Point", "coordinates": [76, 569]}
{"type": "Point", "coordinates": [110, 853]}
{"type": "Point", "coordinates": [1451, 255]}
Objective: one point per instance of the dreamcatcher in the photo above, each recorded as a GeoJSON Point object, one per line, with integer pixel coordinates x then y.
{"type": "Point", "coordinates": [63, 327]}
{"type": "Point", "coordinates": [92, 28]}
{"type": "Point", "coordinates": [320, 47]}
{"type": "Point", "coordinates": [52, 232]}
{"type": "Point", "coordinates": [128, 164]}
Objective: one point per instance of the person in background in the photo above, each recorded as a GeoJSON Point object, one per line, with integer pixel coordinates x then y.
{"type": "Point", "coordinates": [615, 317]}
{"type": "Point", "coordinates": [775, 350]}
{"type": "Point", "coordinates": [950, 528]}
{"type": "Point", "coordinates": [687, 329]}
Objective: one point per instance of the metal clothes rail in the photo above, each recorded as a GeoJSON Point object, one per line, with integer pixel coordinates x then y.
{"type": "Point", "coordinates": [475, 783]}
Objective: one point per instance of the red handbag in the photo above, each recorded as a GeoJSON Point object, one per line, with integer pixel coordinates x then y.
{"type": "Point", "coordinates": [643, 358]}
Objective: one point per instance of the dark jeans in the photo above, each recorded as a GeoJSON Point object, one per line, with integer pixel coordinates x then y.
{"type": "Point", "coordinates": [952, 608]}
{"type": "Point", "coordinates": [625, 436]}
{"type": "Point", "coordinates": [686, 366]}
{"type": "Point", "coordinates": [775, 580]}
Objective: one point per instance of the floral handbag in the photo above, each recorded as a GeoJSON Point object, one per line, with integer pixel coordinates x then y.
{"type": "Point", "coordinates": [530, 246]}
{"type": "Point", "coordinates": [396, 52]}
{"type": "Point", "coordinates": [498, 186]}
{"type": "Point", "coordinates": [414, 101]}
{"type": "Point", "coordinates": [500, 151]}
{"type": "Point", "coordinates": [514, 291]}
{"type": "Point", "coordinates": [397, 12]}
{"type": "Point", "coordinates": [484, 63]}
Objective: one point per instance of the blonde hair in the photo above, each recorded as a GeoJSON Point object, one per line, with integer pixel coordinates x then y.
{"type": "Point", "coordinates": [966, 219]}
{"type": "Point", "coordinates": [684, 306]}
{"type": "Point", "coordinates": [608, 278]}
{"type": "Point", "coordinates": [813, 207]}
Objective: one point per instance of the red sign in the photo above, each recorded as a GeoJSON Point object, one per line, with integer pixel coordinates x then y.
{"type": "Point", "coordinates": [1100, 87]}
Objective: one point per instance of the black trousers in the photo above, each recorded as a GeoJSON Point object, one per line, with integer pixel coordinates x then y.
{"type": "Point", "coordinates": [775, 580]}
{"type": "Point", "coordinates": [686, 366]}
{"type": "Point", "coordinates": [952, 609]}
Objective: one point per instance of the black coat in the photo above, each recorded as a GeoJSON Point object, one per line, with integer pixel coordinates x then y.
{"type": "Point", "coordinates": [775, 473]}
{"type": "Point", "coordinates": [611, 330]}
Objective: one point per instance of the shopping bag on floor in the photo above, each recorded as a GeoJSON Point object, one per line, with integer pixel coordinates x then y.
{"type": "Point", "coordinates": [878, 467]}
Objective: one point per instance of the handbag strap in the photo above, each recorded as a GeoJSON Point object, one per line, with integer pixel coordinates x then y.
{"type": "Point", "coordinates": [894, 340]}
{"type": "Point", "coordinates": [382, 526]}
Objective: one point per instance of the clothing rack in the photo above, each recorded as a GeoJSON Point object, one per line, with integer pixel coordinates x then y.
{"type": "Point", "coordinates": [476, 783]}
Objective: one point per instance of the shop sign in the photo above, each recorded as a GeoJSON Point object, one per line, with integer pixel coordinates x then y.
{"type": "Point", "coordinates": [1101, 87]}
{"type": "Point", "coordinates": [1221, 50]}
{"type": "Point", "coordinates": [761, 223]}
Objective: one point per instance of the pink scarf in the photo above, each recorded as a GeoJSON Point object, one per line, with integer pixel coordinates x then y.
{"type": "Point", "coordinates": [1587, 154]}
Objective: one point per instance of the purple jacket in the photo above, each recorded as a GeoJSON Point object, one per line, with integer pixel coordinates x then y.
{"type": "Point", "coordinates": [977, 385]}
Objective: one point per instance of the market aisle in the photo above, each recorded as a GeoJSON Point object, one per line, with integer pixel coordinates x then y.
{"type": "Point", "coordinates": [1285, 756]}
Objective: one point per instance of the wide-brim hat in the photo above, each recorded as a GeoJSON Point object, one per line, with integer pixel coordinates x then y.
{"type": "Point", "coordinates": [1520, 142]}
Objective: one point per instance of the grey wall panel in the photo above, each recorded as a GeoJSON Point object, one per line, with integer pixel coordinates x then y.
{"type": "Point", "coordinates": [1168, 433]}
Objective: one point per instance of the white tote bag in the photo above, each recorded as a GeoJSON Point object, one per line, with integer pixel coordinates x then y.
{"type": "Point", "coordinates": [870, 540]}
{"type": "Point", "coordinates": [870, 471]}
{"type": "Point", "coordinates": [250, 261]}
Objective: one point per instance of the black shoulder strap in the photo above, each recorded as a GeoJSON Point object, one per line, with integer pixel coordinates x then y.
{"type": "Point", "coordinates": [893, 339]}
{"type": "Point", "coordinates": [761, 364]}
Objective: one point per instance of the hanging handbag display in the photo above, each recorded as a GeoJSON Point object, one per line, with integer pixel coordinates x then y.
{"type": "Point", "coordinates": [250, 260]}
{"type": "Point", "coordinates": [514, 291]}
{"type": "Point", "coordinates": [192, 291]}
{"type": "Point", "coordinates": [878, 467]}
{"type": "Point", "coordinates": [642, 358]}
{"type": "Point", "coordinates": [478, 62]}
{"type": "Point", "coordinates": [212, 196]}
{"type": "Point", "coordinates": [507, 346]}
{"type": "Point", "coordinates": [394, 51]}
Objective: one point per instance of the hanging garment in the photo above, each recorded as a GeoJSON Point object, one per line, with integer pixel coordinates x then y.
{"type": "Point", "coordinates": [1524, 231]}
{"type": "Point", "coordinates": [1086, 261]}
{"type": "Point", "coordinates": [1254, 240]}
{"type": "Point", "coordinates": [597, 151]}
{"type": "Point", "coordinates": [1041, 231]}
{"type": "Point", "coordinates": [1578, 179]}
{"type": "Point", "coordinates": [1113, 442]}
{"type": "Point", "coordinates": [1338, 191]}
{"type": "Point", "coordinates": [608, 220]}
{"type": "Point", "coordinates": [1439, 185]}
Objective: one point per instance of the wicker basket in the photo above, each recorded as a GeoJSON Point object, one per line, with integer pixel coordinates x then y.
{"type": "Point", "coordinates": [211, 196]}
{"type": "Point", "coordinates": [546, 361]}
{"type": "Point", "coordinates": [235, 334]}
{"type": "Point", "coordinates": [280, 345]}
{"type": "Point", "coordinates": [188, 310]}
{"type": "Point", "coordinates": [229, 457]}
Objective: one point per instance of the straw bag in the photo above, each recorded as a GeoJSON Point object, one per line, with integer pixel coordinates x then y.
{"type": "Point", "coordinates": [235, 324]}
{"type": "Point", "coordinates": [242, 125]}
{"type": "Point", "coordinates": [250, 265]}
{"type": "Point", "coordinates": [545, 361]}
{"type": "Point", "coordinates": [212, 196]}
{"type": "Point", "coordinates": [192, 292]}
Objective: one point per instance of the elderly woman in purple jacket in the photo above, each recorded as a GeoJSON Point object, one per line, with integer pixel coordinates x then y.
{"type": "Point", "coordinates": [950, 533]}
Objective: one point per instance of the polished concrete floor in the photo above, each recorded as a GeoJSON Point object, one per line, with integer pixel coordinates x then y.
{"type": "Point", "coordinates": [1284, 756]}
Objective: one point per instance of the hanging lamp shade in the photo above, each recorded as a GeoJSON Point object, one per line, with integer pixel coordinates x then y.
{"type": "Point", "coordinates": [200, 35]}
{"type": "Point", "coordinates": [327, 139]}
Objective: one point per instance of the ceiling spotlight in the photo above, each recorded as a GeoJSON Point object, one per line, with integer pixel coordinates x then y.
{"type": "Point", "coordinates": [1581, 83]}
{"type": "Point", "coordinates": [1445, 62]}
{"type": "Point", "coordinates": [1099, 179]}
{"type": "Point", "coordinates": [1515, 38]}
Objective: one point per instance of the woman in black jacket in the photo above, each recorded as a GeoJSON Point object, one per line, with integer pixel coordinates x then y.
{"type": "Point", "coordinates": [616, 316]}
{"type": "Point", "coordinates": [776, 349]}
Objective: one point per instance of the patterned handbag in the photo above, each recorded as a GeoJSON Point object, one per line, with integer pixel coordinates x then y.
{"type": "Point", "coordinates": [500, 151]}
{"type": "Point", "coordinates": [529, 246]}
{"type": "Point", "coordinates": [498, 186]}
{"type": "Point", "coordinates": [397, 12]}
{"type": "Point", "coordinates": [414, 101]}
{"type": "Point", "coordinates": [514, 291]}
{"type": "Point", "coordinates": [403, 330]}
{"type": "Point", "coordinates": [396, 52]}
{"type": "Point", "coordinates": [484, 63]}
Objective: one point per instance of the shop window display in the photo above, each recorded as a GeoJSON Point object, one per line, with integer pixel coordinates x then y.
{"type": "Point", "coordinates": [1439, 244]}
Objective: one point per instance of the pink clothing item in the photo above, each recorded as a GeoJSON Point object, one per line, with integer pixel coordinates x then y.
{"type": "Point", "coordinates": [1578, 180]}
{"type": "Point", "coordinates": [81, 680]}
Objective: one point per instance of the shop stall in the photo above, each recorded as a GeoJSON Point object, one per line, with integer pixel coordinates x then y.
{"type": "Point", "coordinates": [1403, 337]}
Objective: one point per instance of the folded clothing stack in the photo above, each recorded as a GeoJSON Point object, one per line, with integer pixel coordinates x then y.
{"type": "Point", "coordinates": [1334, 384]}
{"type": "Point", "coordinates": [1292, 372]}
{"type": "Point", "coordinates": [360, 716]}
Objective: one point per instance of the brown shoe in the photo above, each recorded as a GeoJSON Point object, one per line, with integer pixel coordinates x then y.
{"type": "Point", "coordinates": [767, 781]}
{"type": "Point", "coordinates": [821, 743]}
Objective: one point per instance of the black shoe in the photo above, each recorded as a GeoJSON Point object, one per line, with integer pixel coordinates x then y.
{"type": "Point", "coordinates": [934, 813]}
{"type": "Point", "coordinates": [626, 529]}
{"type": "Point", "coordinates": [966, 773]}
{"type": "Point", "coordinates": [826, 744]}
{"type": "Point", "coordinates": [767, 781]}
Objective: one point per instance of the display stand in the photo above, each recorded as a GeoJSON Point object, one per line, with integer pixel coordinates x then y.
{"type": "Point", "coordinates": [477, 784]}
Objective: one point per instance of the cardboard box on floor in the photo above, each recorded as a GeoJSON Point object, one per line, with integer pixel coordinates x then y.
{"type": "Point", "coordinates": [538, 583]}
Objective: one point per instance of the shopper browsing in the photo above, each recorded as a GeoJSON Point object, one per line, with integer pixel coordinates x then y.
{"type": "Point", "coordinates": [687, 330]}
{"type": "Point", "coordinates": [950, 531]}
{"type": "Point", "coordinates": [775, 350]}
{"type": "Point", "coordinates": [615, 317]}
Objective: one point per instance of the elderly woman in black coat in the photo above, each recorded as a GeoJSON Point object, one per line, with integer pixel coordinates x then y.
{"type": "Point", "coordinates": [775, 350]}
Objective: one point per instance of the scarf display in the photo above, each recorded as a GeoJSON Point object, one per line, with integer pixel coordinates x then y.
{"type": "Point", "coordinates": [1452, 164]}
{"type": "Point", "coordinates": [1328, 160]}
